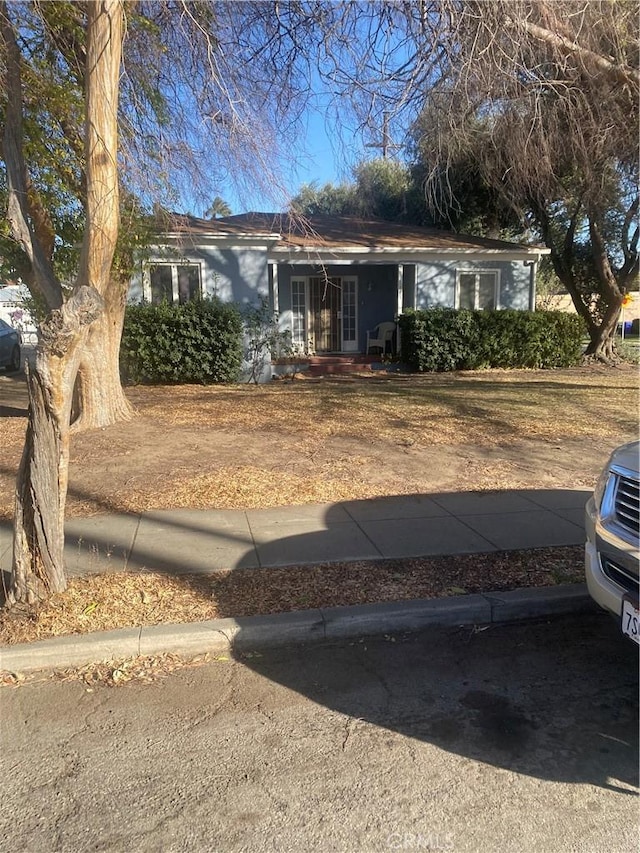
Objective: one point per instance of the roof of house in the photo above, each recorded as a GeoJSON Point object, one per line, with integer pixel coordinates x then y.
{"type": "Point", "coordinates": [338, 232]}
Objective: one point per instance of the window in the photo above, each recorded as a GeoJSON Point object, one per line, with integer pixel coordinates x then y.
{"type": "Point", "coordinates": [173, 283]}
{"type": "Point", "coordinates": [349, 330]}
{"type": "Point", "coordinates": [298, 312]}
{"type": "Point", "coordinates": [477, 291]}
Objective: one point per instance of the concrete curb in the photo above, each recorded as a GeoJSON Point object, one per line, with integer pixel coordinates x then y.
{"type": "Point", "coordinates": [301, 627]}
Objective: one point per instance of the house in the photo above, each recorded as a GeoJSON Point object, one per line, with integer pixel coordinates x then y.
{"type": "Point", "coordinates": [15, 302]}
{"type": "Point", "coordinates": [333, 279]}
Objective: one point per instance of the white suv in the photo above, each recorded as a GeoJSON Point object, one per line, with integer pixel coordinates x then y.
{"type": "Point", "coordinates": [612, 552]}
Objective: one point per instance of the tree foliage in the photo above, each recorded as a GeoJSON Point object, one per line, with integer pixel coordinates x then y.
{"type": "Point", "coordinates": [218, 207]}
{"type": "Point", "coordinates": [380, 188]}
{"type": "Point", "coordinates": [529, 106]}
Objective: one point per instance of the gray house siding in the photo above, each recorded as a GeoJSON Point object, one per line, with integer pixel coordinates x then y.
{"type": "Point", "coordinates": [436, 282]}
{"type": "Point", "coordinates": [236, 275]}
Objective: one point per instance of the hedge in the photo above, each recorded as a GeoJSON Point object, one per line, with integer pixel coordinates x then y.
{"type": "Point", "coordinates": [199, 342]}
{"type": "Point", "coordinates": [441, 339]}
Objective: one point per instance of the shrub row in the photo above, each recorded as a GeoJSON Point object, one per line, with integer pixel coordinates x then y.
{"type": "Point", "coordinates": [441, 339]}
{"type": "Point", "coordinates": [198, 342]}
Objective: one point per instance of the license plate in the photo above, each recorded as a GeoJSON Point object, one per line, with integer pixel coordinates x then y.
{"type": "Point", "coordinates": [631, 620]}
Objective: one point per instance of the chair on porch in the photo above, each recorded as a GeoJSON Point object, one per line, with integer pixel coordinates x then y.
{"type": "Point", "coordinates": [380, 337]}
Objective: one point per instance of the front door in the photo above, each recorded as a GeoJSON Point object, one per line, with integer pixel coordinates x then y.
{"type": "Point", "coordinates": [332, 314]}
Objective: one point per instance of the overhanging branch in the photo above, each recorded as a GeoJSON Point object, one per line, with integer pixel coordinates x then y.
{"type": "Point", "coordinates": [19, 202]}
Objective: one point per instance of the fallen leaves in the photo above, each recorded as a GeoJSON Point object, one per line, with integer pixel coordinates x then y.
{"type": "Point", "coordinates": [126, 599]}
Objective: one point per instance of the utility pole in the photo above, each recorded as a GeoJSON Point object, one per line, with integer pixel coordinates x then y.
{"type": "Point", "coordinates": [386, 145]}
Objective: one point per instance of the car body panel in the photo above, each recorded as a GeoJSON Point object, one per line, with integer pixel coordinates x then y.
{"type": "Point", "coordinates": [9, 342]}
{"type": "Point", "coordinates": [612, 550]}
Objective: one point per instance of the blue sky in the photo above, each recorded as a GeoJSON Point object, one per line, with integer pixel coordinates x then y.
{"type": "Point", "coordinates": [324, 154]}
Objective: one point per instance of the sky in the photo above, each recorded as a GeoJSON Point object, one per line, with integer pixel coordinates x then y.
{"type": "Point", "coordinates": [320, 158]}
{"type": "Point", "coordinates": [324, 155]}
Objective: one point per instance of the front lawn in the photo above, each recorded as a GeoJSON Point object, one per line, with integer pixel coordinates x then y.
{"type": "Point", "coordinates": [314, 441]}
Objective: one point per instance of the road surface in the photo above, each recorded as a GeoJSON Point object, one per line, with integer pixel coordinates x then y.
{"type": "Point", "coordinates": [516, 738]}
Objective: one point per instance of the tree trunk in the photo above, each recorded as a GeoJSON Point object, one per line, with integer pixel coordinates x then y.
{"type": "Point", "coordinates": [38, 567]}
{"type": "Point", "coordinates": [38, 540]}
{"type": "Point", "coordinates": [603, 345]}
{"type": "Point", "coordinates": [98, 398]}
{"type": "Point", "coordinates": [41, 488]}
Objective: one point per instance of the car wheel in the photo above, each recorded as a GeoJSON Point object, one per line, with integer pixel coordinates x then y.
{"type": "Point", "coordinates": [14, 364]}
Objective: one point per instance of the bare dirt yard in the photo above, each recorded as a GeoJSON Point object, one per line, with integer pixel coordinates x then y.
{"type": "Point", "coordinates": [321, 440]}
{"type": "Point", "coordinates": [311, 441]}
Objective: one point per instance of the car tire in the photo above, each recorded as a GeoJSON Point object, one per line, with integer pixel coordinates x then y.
{"type": "Point", "coordinates": [15, 363]}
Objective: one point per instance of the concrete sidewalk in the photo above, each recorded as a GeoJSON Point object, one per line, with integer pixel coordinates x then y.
{"type": "Point", "coordinates": [181, 541]}
{"type": "Point", "coordinates": [184, 540]}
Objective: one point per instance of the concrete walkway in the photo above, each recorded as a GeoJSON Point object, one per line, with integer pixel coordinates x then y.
{"type": "Point", "coordinates": [184, 540]}
{"type": "Point", "coordinates": [180, 541]}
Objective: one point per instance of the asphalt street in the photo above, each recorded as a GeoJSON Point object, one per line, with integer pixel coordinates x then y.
{"type": "Point", "coordinates": [519, 737]}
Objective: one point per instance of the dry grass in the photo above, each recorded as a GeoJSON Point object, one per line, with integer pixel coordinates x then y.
{"type": "Point", "coordinates": [470, 406]}
{"type": "Point", "coordinates": [122, 469]}
{"type": "Point", "coordinates": [109, 601]}
{"type": "Point", "coordinates": [251, 488]}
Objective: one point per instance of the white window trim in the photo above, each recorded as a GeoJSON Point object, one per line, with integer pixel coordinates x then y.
{"type": "Point", "coordinates": [174, 264]}
{"type": "Point", "coordinates": [477, 273]}
{"type": "Point", "coordinates": [309, 345]}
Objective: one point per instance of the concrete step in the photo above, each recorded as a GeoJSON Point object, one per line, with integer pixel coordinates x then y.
{"type": "Point", "coordinates": [338, 367]}
{"type": "Point", "coordinates": [342, 358]}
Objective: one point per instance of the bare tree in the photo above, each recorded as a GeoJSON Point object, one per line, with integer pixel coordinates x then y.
{"type": "Point", "coordinates": [540, 99]}
{"type": "Point", "coordinates": [205, 84]}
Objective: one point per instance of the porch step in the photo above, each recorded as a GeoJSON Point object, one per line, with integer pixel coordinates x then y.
{"type": "Point", "coordinates": [333, 369]}
{"type": "Point", "coordinates": [356, 358]}
{"type": "Point", "coordinates": [322, 365]}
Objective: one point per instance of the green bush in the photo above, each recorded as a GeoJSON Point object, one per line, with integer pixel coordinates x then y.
{"type": "Point", "coordinates": [442, 339]}
{"type": "Point", "coordinates": [199, 342]}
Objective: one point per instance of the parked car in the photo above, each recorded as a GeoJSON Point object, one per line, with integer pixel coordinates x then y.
{"type": "Point", "coordinates": [10, 356]}
{"type": "Point", "coordinates": [612, 553]}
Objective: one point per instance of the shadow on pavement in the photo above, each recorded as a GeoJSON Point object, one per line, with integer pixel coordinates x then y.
{"type": "Point", "coordinates": [561, 706]}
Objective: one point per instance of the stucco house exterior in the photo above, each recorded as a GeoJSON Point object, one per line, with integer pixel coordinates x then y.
{"type": "Point", "coordinates": [331, 280]}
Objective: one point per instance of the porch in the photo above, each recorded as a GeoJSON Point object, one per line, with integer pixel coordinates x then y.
{"type": "Point", "coordinates": [332, 313]}
{"type": "Point", "coordinates": [334, 364]}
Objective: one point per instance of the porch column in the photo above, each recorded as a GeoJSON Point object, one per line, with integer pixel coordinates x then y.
{"type": "Point", "coordinates": [274, 284]}
{"type": "Point", "coordinates": [533, 270]}
{"type": "Point", "coordinates": [399, 302]}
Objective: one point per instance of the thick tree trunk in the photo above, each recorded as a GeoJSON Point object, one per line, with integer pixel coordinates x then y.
{"type": "Point", "coordinates": [38, 567]}
{"type": "Point", "coordinates": [39, 515]}
{"type": "Point", "coordinates": [41, 489]}
{"type": "Point", "coordinates": [99, 399]}
{"type": "Point", "coordinates": [602, 344]}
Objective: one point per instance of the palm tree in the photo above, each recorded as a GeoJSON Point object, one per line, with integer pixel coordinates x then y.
{"type": "Point", "coordinates": [219, 207]}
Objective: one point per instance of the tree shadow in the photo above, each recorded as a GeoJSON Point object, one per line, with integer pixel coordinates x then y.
{"type": "Point", "coordinates": [559, 707]}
